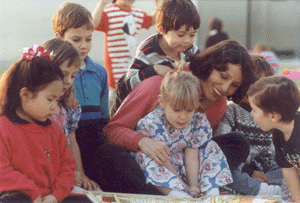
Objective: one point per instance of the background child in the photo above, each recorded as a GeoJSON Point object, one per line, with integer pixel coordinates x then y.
{"type": "Point", "coordinates": [275, 101]}
{"type": "Point", "coordinates": [69, 111]}
{"type": "Point", "coordinates": [259, 174]}
{"type": "Point", "coordinates": [120, 21]}
{"type": "Point", "coordinates": [190, 167]}
{"type": "Point", "coordinates": [265, 51]}
{"type": "Point", "coordinates": [34, 156]}
{"type": "Point", "coordinates": [177, 24]}
{"type": "Point", "coordinates": [216, 33]}
{"type": "Point", "coordinates": [73, 23]}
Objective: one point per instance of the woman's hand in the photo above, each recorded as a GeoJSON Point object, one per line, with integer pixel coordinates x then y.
{"type": "Point", "coordinates": [49, 199]}
{"type": "Point", "coordinates": [156, 150]}
{"type": "Point", "coordinates": [260, 176]}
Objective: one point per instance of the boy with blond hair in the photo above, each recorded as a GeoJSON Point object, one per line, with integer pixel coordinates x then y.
{"type": "Point", "coordinates": [74, 23]}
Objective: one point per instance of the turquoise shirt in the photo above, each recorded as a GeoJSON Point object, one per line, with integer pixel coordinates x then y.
{"type": "Point", "coordinates": [92, 91]}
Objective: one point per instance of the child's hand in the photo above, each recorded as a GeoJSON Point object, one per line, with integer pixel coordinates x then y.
{"type": "Point", "coordinates": [49, 199]}
{"type": "Point", "coordinates": [195, 189]}
{"type": "Point", "coordinates": [89, 184]}
{"type": "Point", "coordinates": [38, 200]}
{"type": "Point", "coordinates": [161, 69]}
{"type": "Point", "coordinates": [78, 178]}
{"type": "Point", "coordinates": [180, 65]}
{"type": "Point", "coordinates": [260, 176]}
{"type": "Point", "coordinates": [105, 1]}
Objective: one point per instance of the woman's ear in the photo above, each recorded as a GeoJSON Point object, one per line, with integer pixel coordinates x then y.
{"type": "Point", "coordinates": [25, 94]}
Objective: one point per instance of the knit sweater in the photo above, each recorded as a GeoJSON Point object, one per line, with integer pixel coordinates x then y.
{"type": "Point", "coordinates": [238, 119]}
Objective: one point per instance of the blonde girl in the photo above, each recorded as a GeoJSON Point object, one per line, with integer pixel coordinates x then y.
{"type": "Point", "coordinates": [69, 111]}
{"type": "Point", "coordinates": [195, 166]}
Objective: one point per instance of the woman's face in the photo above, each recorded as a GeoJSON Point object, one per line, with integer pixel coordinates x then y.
{"type": "Point", "coordinates": [222, 83]}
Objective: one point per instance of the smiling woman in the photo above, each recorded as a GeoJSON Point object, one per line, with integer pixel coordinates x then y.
{"type": "Point", "coordinates": [224, 70]}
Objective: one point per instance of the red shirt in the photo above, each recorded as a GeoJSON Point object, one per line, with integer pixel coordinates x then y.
{"type": "Point", "coordinates": [141, 100]}
{"type": "Point", "coordinates": [35, 159]}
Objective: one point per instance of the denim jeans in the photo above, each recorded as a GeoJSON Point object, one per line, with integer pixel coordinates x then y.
{"type": "Point", "coordinates": [245, 184]}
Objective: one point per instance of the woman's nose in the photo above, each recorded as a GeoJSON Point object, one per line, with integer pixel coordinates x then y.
{"type": "Point", "coordinates": [226, 88]}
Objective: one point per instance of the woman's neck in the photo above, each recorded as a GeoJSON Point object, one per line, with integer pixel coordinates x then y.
{"type": "Point", "coordinates": [167, 50]}
{"type": "Point", "coordinates": [286, 128]}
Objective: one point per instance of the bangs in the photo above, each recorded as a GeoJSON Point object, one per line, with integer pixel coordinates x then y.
{"type": "Point", "coordinates": [184, 99]}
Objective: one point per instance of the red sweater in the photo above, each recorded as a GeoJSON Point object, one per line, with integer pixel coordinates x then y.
{"type": "Point", "coordinates": [24, 164]}
{"type": "Point", "coordinates": [141, 100]}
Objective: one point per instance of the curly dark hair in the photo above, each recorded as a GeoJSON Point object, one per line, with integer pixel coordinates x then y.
{"type": "Point", "coordinates": [217, 56]}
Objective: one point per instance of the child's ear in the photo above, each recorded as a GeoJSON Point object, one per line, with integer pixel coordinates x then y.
{"type": "Point", "coordinates": [58, 35]}
{"type": "Point", "coordinates": [161, 101]}
{"type": "Point", "coordinates": [25, 94]}
{"type": "Point", "coordinates": [160, 29]}
{"type": "Point", "coordinates": [275, 116]}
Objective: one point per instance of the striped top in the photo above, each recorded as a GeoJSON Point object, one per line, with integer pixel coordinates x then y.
{"type": "Point", "coordinates": [149, 53]}
{"type": "Point", "coordinates": [272, 59]}
{"type": "Point", "coordinates": [121, 28]}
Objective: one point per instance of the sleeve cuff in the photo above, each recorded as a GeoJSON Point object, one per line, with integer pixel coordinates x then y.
{"type": "Point", "coordinates": [147, 72]}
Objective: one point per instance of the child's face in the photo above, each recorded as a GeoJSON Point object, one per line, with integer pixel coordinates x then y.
{"type": "Point", "coordinates": [262, 119]}
{"type": "Point", "coordinates": [69, 74]}
{"type": "Point", "coordinates": [180, 40]}
{"type": "Point", "coordinates": [41, 106]}
{"type": "Point", "coordinates": [178, 119]}
{"type": "Point", "coordinates": [81, 39]}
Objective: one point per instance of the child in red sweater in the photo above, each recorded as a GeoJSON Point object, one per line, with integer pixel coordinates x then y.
{"type": "Point", "coordinates": [34, 158]}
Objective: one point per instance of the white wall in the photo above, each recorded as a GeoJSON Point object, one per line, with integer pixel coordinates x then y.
{"type": "Point", "coordinates": [27, 22]}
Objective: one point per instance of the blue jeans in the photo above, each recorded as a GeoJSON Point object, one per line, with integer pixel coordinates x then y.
{"type": "Point", "coordinates": [247, 185]}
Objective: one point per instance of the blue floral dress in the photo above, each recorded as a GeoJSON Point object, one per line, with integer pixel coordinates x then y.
{"type": "Point", "coordinates": [214, 170]}
{"type": "Point", "coordinates": [68, 119]}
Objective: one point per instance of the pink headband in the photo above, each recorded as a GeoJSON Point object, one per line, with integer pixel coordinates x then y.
{"type": "Point", "coordinates": [35, 50]}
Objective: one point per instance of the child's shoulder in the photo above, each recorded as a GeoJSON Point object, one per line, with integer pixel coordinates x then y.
{"type": "Point", "coordinates": [95, 66]}
{"type": "Point", "coordinates": [200, 119]}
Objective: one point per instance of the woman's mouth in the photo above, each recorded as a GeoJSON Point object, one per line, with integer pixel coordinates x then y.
{"type": "Point", "coordinates": [217, 93]}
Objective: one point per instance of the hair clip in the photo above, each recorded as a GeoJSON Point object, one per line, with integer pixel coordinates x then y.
{"type": "Point", "coordinates": [36, 50]}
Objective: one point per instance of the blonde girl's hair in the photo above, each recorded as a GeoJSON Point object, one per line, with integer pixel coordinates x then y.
{"type": "Point", "coordinates": [181, 90]}
{"type": "Point", "coordinates": [64, 51]}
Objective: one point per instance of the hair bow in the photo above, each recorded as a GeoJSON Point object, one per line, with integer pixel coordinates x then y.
{"type": "Point", "coordinates": [35, 50]}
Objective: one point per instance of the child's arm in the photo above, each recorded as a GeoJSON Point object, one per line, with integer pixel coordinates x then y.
{"type": "Point", "coordinates": [191, 162]}
{"type": "Point", "coordinates": [291, 177]}
{"type": "Point", "coordinates": [97, 14]}
{"type": "Point", "coordinates": [81, 180]}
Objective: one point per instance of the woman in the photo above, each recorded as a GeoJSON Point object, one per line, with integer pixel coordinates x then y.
{"type": "Point", "coordinates": [222, 70]}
